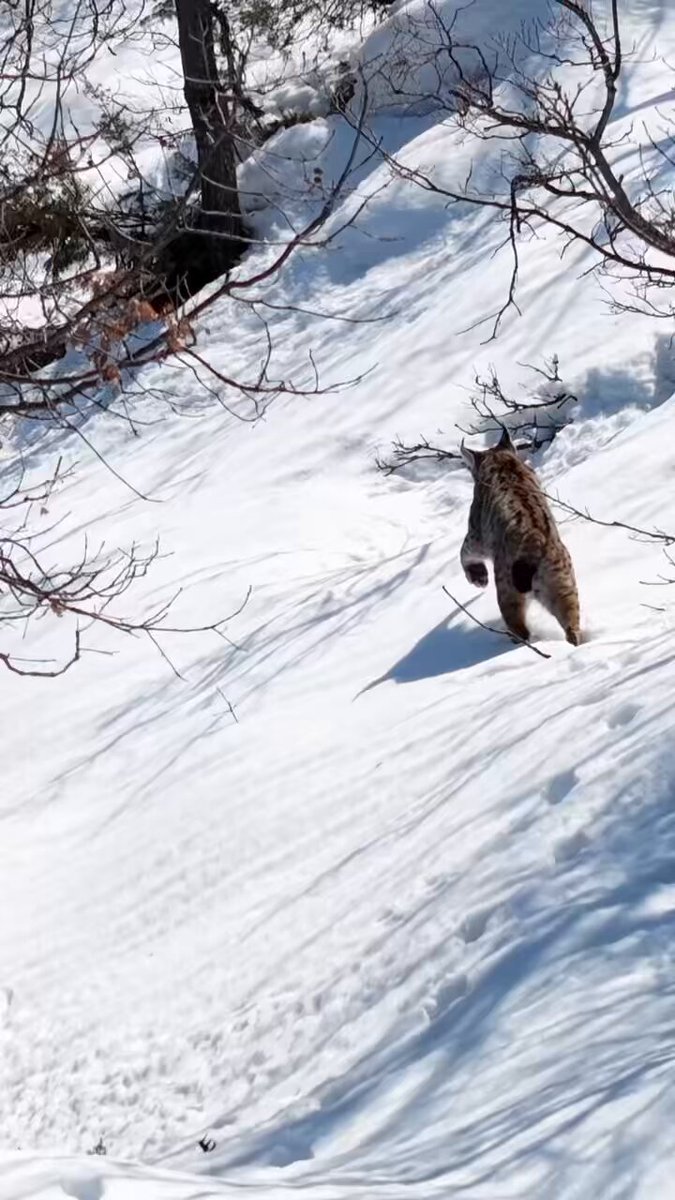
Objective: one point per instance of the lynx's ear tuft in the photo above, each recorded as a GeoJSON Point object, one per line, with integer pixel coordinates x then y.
{"type": "Point", "coordinates": [471, 457]}
{"type": "Point", "coordinates": [505, 442]}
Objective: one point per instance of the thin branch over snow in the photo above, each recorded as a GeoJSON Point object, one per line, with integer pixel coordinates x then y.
{"type": "Point", "coordinates": [93, 277]}
{"type": "Point", "coordinates": [491, 628]}
{"type": "Point", "coordinates": [555, 140]}
{"type": "Point", "coordinates": [88, 591]}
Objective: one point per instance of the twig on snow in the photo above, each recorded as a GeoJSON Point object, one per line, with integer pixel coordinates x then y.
{"type": "Point", "coordinates": [491, 628]}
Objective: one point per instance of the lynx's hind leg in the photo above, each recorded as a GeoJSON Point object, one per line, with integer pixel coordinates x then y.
{"type": "Point", "coordinates": [511, 603]}
{"type": "Point", "coordinates": [558, 593]}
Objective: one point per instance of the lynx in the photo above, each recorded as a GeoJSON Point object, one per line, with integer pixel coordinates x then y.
{"type": "Point", "coordinates": [511, 523]}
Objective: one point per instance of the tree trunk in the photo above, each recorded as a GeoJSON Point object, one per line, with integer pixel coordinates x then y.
{"type": "Point", "coordinates": [212, 120]}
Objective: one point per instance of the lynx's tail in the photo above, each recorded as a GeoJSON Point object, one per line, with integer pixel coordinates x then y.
{"type": "Point", "coordinates": [522, 573]}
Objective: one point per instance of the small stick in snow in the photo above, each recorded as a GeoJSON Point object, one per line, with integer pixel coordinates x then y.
{"type": "Point", "coordinates": [230, 706]}
{"type": "Point", "coordinates": [491, 629]}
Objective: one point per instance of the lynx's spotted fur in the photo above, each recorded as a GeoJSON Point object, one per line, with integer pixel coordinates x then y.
{"type": "Point", "coordinates": [511, 523]}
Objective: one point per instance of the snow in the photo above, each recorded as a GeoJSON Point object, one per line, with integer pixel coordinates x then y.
{"type": "Point", "coordinates": [399, 922]}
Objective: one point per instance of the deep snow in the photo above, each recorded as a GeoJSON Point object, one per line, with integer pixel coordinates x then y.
{"type": "Point", "coordinates": [404, 927]}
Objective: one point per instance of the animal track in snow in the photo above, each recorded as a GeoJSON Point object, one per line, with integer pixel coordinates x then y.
{"type": "Point", "coordinates": [451, 989]}
{"type": "Point", "coordinates": [474, 925]}
{"type": "Point", "coordinates": [568, 847]}
{"type": "Point", "coordinates": [561, 785]}
{"type": "Point", "coordinates": [438, 883]}
{"type": "Point", "coordinates": [83, 1189]}
{"type": "Point", "coordinates": [623, 715]}
{"type": "Point", "coordinates": [391, 917]}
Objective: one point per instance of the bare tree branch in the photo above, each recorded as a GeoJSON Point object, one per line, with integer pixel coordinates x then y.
{"type": "Point", "coordinates": [558, 158]}
{"type": "Point", "coordinates": [491, 629]}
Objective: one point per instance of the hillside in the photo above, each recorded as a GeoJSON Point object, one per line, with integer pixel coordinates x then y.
{"type": "Point", "coordinates": [377, 901]}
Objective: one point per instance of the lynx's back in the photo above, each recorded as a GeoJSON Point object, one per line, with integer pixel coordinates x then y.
{"type": "Point", "coordinates": [514, 516]}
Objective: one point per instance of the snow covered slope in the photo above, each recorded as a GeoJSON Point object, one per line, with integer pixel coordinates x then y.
{"type": "Point", "coordinates": [402, 924]}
